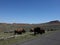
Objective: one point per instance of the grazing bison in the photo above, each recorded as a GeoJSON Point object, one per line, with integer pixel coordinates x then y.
{"type": "Point", "coordinates": [19, 31]}
{"type": "Point", "coordinates": [38, 30]}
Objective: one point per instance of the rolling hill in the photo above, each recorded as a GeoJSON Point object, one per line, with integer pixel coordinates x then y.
{"type": "Point", "coordinates": [48, 25]}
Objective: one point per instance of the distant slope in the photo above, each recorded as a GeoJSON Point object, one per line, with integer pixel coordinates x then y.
{"type": "Point", "coordinates": [48, 25]}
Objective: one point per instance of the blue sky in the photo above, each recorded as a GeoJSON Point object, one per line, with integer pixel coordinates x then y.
{"type": "Point", "coordinates": [29, 11]}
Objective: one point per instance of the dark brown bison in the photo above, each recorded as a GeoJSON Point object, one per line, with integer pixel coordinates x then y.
{"type": "Point", "coordinates": [19, 31]}
{"type": "Point", "coordinates": [38, 30]}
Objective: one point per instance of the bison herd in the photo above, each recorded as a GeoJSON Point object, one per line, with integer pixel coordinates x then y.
{"type": "Point", "coordinates": [36, 30]}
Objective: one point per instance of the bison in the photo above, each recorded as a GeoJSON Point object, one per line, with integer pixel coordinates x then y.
{"type": "Point", "coordinates": [19, 31]}
{"type": "Point", "coordinates": [38, 30]}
